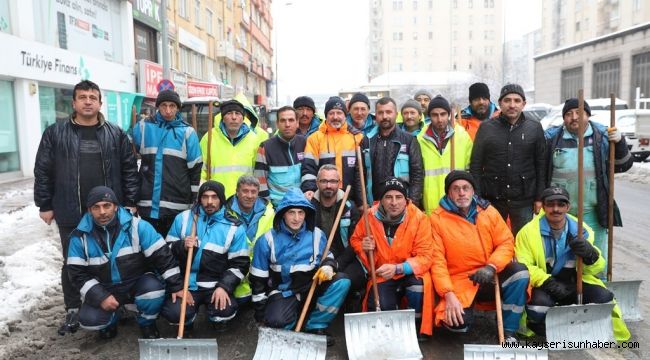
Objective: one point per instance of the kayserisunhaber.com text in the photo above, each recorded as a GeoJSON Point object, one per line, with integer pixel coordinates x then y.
{"type": "Point", "coordinates": [571, 345]}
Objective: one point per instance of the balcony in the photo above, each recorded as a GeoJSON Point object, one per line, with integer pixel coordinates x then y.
{"type": "Point", "coordinates": [225, 50]}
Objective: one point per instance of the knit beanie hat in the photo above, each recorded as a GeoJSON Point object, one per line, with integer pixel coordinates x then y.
{"type": "Point", "coordinates": [335, 102]}
{"type": "Point", "coordinates": [215, 186]}
{"type": "Point", "coordinates": [410, 103]}
{"type": "Point", "coordinates": [359, 97]}
{"type": "Point", "coordinates": [100, 193]}
{"type": "Point", "coordinates": [573, 104]}
{"type": "Point", "coordinates": [168, 95]}
{"type": "Point", "coordinates": [479, 90]}
{"type": "Point", "coordinates": [304, 101]}
{"type": "Point", "coordinates": [458, 175]}
{"type": "Point", "coordinates": [512, 89]}
{"type": "Point", "coordinates": [231, 105]}
{"type": "Point", "coordinates": [393, 183]}
{"type": "Point", "coordinates": [422, 92]}
{"type": "Point", "coordinates": [438, 102]}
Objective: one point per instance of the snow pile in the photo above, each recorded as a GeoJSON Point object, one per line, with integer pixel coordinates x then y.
{"type": "Point", "coordinates": [639, 173]}
{"type": "Point", "coordinates": [30, 263]}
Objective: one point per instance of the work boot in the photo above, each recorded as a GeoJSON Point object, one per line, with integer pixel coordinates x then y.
{"type": "Point", "coordinates": [108, 332]}
{"type": "Point", "coordinates": [323, 332]}
{"type": "Point", "coordinates": [509, 338]}
{"type": "Point", "coordinates": [71, 323]}
{"type": "Point", "coordinates": [149, 332]}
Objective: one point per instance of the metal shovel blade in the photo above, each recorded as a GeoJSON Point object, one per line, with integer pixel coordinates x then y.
{"type": "Point", "coordinates": [496, 352]}
{"type": "Point", "coordinates": [382, 335]}
{"type": "Point", "coordinates": [172, 349]}
{"type": "Point", "coordinates": [278, 344]}
{"type": "Point", "coordinates": [626, 294]}
{"type": "Point", "coordinates": [579, 323]}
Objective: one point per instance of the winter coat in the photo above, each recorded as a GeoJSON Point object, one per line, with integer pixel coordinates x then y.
{"type": "Point", "coordinates": [412, 246]}
{"type": "Point", "coordinates": [471, 123]}
{"type": "Point", "coordinates": [260, 221]}
{"type": "Point", "coordinates": [222, 256]}
{"type": "Point", "coordinates": [313, 126]}
{"type": "Point", "coordinates": [278, 165]}
{"type": "Point", "coordinates": [370, 128]}
{"type": "Point", "coordinates": [348, 221]}
{"type": "Point", "coordinates": [460, 248]}
{"type": "Point", "coordinates": [396, 155]}
{"type": "Point", "coordinates": [56, 170]}
{"type": "Point", "coordinates": [170, 167]}
{"type": "Point", "coordinates": [509, 162]}
{"type": "Point", "coordinates": [623, 161]}
{"type": "Point", "coordinates": [92, 264]}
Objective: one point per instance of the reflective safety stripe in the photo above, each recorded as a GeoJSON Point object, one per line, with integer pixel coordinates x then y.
{"type": "Point", "coordinates": [310, 156]}
{"type": "Point", "coordinates": [415, 288]}
{"type": "Point", "coordinates": [148, 150]}
{"type": "Point", "coordinates": [571, 175]}
{"type": "Point", "coordinates": [537, 308]}
{"type": "Point", "coordinates": [165, 204]}
{"type": "Point", "coordinates": [327, 309]}
{"type": "Point", "coordinates": [155, 246]}
{"type": "Point", "coordinates": [570, 264]}
{"type": "Point", "coordinates": [269, 240]}
{"type": "Point", "coordinates": [193, 163]}
{"type": "Point", "coordinates": [516, 276]}
{"type": "Point", "coordinates": [231, 168]}
{"type": "Point", "coordinates": [206, 284]}
{"type": "Point", "coordinates": [97, 260]}
{"type": "Point", "coordinates": [275, 267]}
{"type": "Point", "coordinates": [237, 273]}
{"type": "Point", "coordinates": [260, 158]}
{"type": "Point", "coordinates": [625, 159]}
{"type": "Point", "coordinates": [125, 251]}
{"type": "Point", "coordinates": [149, 316]}
{"type": "Point", "coordinates": [259, 273]}
{"type": "Point", "coordinates": [436, 172]}
{"type": "Point", "coordinates": [173, 152]}
{"type": "Point", "coordinates": [222, 319]}
{"type": "Point", "coordinates": [301, 267]}
{"type": "Point", "coordinates": [239, 253]}
{"type": "Point", "coordinates": [259, 297]}
{"type": "Point", "coordinates": [135, 236]}
{"type": "Point", "coordinates": [171, 272]}
{"type": "Point", "coordinates": [194, 188]}
{"type": "Point", "coordinates": [308, 177]}
{"type": "Point", "coordinates": [230, 236]}
{"type": "Point", "coordinates": [87, 286]}
{"type": "Point", "coordinates": [215, 248]}
{"type": "Point", "coordinates": [348, 153]}
{"type": "Point", "coordinates": [326, 155]}
{"type": "Point", "coordinates": [512, 307]}
{"type": "Point", "coordinates": [76, 261]}
{"type": "Point", "coordinates": [151, 295]}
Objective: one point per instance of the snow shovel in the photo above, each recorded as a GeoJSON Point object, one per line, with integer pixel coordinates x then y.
{"type": "Point", "coordinates": [179, 348]}
{"type": "Point", "coordinates": [278, 344]}
{"type": "Point", "coordinates": [375, 335]}
{"type": "Point", "coordinates": [479, 351]}
{"type": "Point", "coordinates": [626, 293]}
{"type": "Point", "coordinates": [592, 322]}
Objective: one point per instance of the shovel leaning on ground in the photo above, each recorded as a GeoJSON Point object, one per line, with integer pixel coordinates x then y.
{"type": "Point", "coordinates": [625, 292]}
{"type": "Point", "coordinates": [591, 322]}
{"type": "Point", "coordinates": [382, 334]}
{"type": "Point", "coordinates": [179, 348]}
{"type": "Point", "coordinates": [480, 351]}
{"type": "Point", "coordinates": [278, 344]}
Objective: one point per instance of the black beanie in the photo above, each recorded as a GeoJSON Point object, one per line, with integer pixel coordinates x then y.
{"type": "Point", "coordinates": [458, 175]}
{"type": "Point", "coordinates": [573, 104]}
{"type": "Point", "coordinates": [438, 102]}
{"type": "Point", "coordinates": [393, 183]}
{"type": "Point", "coordinates": [100, 193]}
{"type": "Point", "coordinates": [479, 90]}
{"type": "Point", "coordinates": [231, 105]}
{"type": "Point", "coordinates": [334, 102]}
{"type": "Point", "coordinates": [304, 101]}
{"type": "Point", "coordinates": [512, 89]}
{"type": "Point", "coordinates": [359, 97]}
{"type": "Point", "coordinates": [214, 186]}
{"type": "Point", "coordinates": [168, 95]}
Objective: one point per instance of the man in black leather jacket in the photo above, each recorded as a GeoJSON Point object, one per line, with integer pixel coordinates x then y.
{"type": "Point", "coordinates": [73, 157]}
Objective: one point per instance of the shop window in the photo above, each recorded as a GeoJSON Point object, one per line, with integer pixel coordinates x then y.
{"type": "Point", "coordinates": [55, 104]}
{"type": "Point", "coordinates": [9, 159]}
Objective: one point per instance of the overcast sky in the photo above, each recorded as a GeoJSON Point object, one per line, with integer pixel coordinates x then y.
{"type": "Point", "coordinates": [322, 44]}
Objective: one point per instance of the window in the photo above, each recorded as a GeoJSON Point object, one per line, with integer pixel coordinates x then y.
{"type": "Point", "coordinates": [454, 35]}
{"type": "Point", "coordinates": [430, 20]}
{"type": "Point", "coordinates": [197, 13]}
{"type": "Point", "coordinates": [485, 3]}
{"type": "Point", "coordinates": [606, 78]}
{"type": "Point", "coordinates": [415, 35]}
{"type": "Point", "coordinates": [577, 25]}
{"type": "Point", "coordinates": [430, 35]}
{"type": "Point", "coordinates": [637, 5]}
{"type": "Point", "coordinates": [415, 52]}
{"type": "Point", "coordinates": [415, 4]}
{"type": "Point", "coordinates": [182, 8]}
{"type": "Point", "coordinates": [5, 18]}
{"type": "Point", "coordinates": [571, 82]}
{"type": "Point", "coordinates": [415, 20]}
{"type": "Point", "coordinates": [469, 35]}
{"type": "Point", "coordinates": [641, 74]}
{"type": "Point", "coordinates": [430, 4]}
{"type": "Point", "coordinates": [469, 50]}
{"type": "Point", "coordinates": [9, 159]}
{"type": "Point", "coordinates": [208, 22]}
{"type": "Point", "coordinates": [455, 4]}
{"type": "Point", "coordinates": [470, 4]}
{"type": "Point", "coordinates": [242, 37]}
{"type": "Point", "coordinates": [220, 28]}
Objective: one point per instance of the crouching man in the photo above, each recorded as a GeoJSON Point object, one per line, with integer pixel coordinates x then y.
{"type": "Point", "coordinates": [219, 263]}
{"type": "Point", "coordinates": [285, 260]}
{"type": "Point", "coordinates": [548, 246]}
{"type": "Point", "coordinates": [109, 254]}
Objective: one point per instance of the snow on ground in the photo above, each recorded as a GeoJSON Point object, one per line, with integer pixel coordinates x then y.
{"type": "Point", "coordinates": [639, 173]}
{"type": "Point", "coordinates": [30, 262]}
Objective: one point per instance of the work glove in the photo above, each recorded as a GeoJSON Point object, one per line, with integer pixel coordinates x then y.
{"type": "Point", "coordinates": [556, 289]}
{"type": "Point", "coordinates": [614, 134]}
{"type": "Point", "coordinates": [324, 273]}
{"type": "Point", "coordinates": [483, 276]}
{"type": "Point", "coordinates": [584, 249]}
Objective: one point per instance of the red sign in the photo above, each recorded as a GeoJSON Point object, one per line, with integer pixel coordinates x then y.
{"type": "Point", "coordinates": [197, 88]}
{"type": "Point", "coordinates": [150, 75]}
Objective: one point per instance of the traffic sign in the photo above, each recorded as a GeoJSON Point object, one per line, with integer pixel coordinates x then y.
{"type": "Point", "coordinates": [165, 84]}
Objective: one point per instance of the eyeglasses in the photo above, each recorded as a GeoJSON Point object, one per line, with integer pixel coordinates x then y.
{"type": "Point", "coordinates": [325, 182]}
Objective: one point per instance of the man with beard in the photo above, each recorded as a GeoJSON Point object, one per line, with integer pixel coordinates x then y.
{"type": "Point", "coordinates": [334, 143]}
{"type": "Point", "coordinates": [423, 97]}
{"type": "Point", "coordinates": [480, 109]}
{"type": "Point", "coordinates": [413, 118]}
{"type": "Point", "coordinates": [435, 144]}
{"type": "Point", "coordinates": [108, 259]}
{"type": "Point", "coordinates": [359, 115]}
{"type": "Point", "coordinates": [308, 121]}
{"type": "Point", "coordinates": [219, 263]}
{"type": "Point", "coordinates": [392, 153]}
{"type": "Point", "coordinates": [509, 160]}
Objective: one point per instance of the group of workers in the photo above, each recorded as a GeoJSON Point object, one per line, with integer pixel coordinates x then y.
{"type": "Point", "coordinates": [456, 202]}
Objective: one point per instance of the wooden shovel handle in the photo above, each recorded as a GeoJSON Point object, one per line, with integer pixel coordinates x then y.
{"type": "Point", "coordinates": [610, 195]}
{"type": "Point", "coordinates": [186, 280]}
{"type": "Point", "coordinates": [581, 181]}
{"type": "Point", "coordinates": [452, 141]}
{"type": "Point", "coordinates": [209, 155]}
{"type": "Point", "coordinates": [314, 282]}
{"type": "Point", "coordinates": [497, 299]}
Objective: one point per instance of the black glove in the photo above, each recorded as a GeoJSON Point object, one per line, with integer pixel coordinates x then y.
{"type": "Point", "coordinates": [584, 249]}
{"type": "Point", "coordinates": [556, 289]}
{"type": "Point", "coordinates": [483, 276]}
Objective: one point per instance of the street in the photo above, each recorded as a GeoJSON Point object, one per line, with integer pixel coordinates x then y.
{"type": "Point", "coordinates": [33, 312]}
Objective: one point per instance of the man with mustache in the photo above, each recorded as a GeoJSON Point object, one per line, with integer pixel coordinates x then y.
{"type": "Point", "coordinates": [359, 115]}
{"type": "Point", "coordinates": [472, 243]}
{"type": "Point", "coordinates": [423, 97]}
{"type": "Point", "coordinates": [548, 246]}
{"type": "Point", "coordinates": [392, 153]}
{"type": "Point", "coordinates": [110, 254]}
{"type": "Point", "coordinates": [562, 163]}
{"type": "Point", "coordinates": [220, 260]}
{"type": "Point", "coordinates": [509, 160]}
{"type": "Point", "coordinates": [308, 121]}
{"type": "Point", "coordinates": [480, 108]}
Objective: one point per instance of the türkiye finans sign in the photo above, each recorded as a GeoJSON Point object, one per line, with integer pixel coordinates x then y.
{"type": "Point", "coordinates": [44, 64]}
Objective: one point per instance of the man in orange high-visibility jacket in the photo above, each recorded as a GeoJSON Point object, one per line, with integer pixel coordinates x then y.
{"type": "Point", "coordinates": [471, 243]}
{"type": "Point", "coordinates": [400, 236]}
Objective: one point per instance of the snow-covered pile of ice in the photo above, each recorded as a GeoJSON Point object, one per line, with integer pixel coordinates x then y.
{"type": "Point", "coordinates": [639, 173]}
{"type": "Point", "coordinates": [30, 263]}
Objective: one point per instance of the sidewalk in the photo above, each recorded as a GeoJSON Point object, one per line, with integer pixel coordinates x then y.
{"type": "Point", "coordinates": [17, 194]}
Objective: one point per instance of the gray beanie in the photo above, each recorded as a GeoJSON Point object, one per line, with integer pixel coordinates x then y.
{"type": "Point", "coordinates": [410, 103]}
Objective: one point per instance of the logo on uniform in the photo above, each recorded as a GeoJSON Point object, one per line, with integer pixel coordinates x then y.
{"type": "Point", "coordinates": [301, 156]}
{"type": "Point", "coordinates": [352, 161]}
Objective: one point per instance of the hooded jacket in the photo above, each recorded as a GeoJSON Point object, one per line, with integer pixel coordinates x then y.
{"type": "Point", "coordinates": [471, 123]}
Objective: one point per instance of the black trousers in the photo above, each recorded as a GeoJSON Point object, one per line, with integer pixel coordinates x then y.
{"type": "Point", "coordinates": [71, 296]}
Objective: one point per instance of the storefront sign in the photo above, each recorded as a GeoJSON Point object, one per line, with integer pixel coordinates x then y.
{"type": "Point", "coordinates": [147, 12]}
{"type": "Point", "coordinates": [149, 76]}
{"type": "Point", "coordinates": [180, 80]}
{"type": "Point", "coordinates": [197, 88]}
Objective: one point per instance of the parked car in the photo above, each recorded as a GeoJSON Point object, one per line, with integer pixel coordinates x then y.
{"type": "Point", "coordinates": [202, 109]}
{"type": "Point", "coordinates": [628, 122]}
{"type": "Point", "coordinates": [537, 111]}
{"type": "Point", "coordinates": [606, 103]}
{"type": "Point", "coordinates": [553, 118]}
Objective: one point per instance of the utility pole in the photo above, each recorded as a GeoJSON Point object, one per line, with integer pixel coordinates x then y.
{"type": "Point", "coordinates": [164, 39]}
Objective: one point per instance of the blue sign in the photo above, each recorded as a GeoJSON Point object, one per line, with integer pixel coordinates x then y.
{"type": "Point", "coordinates": [165, 84]}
